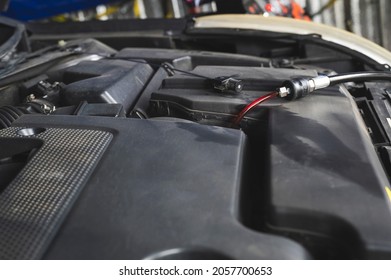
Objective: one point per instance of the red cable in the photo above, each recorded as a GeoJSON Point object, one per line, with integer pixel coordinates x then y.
{"type": "Point", "coordinates": [253, 104]}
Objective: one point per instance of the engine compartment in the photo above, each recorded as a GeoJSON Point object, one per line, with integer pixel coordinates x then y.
{"type": "Point", "coordinates": [179, 179]}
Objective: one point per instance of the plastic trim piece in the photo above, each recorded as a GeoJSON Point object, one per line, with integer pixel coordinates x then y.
{"type": "Point", "coordinates": [34, 204]}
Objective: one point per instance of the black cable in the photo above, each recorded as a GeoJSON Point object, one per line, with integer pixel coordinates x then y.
{"type": "Point", "coordinates": [360, 77]}
{"type": "Point", "coordinates": [165, 65]}
{"type": "Point", "coordinates": [222, 84]}
{"type": "Point", "coordinates": [300, 87]}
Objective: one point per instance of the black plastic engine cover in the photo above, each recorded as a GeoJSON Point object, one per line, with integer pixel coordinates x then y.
{"type": "Point", "coordinates": [327, 184]}
{"type": "Point", "coordinates": [195, 98]}
{"type": "Point", "coordinates": [161, 190]}
{"type": "Point", "coordinates": [105, 81]}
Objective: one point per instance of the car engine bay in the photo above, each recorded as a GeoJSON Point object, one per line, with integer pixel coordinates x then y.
{"type": "Point", "coordinates": [133, 149]}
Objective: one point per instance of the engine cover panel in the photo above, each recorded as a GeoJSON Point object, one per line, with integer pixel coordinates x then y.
{"type": "Point", "coordinates": [162, 186]}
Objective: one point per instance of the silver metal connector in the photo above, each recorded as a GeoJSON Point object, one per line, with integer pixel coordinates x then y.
{"type": "Point", "coordinates": [320, 82]}
{"type": "Point", "coordinates": [302, 86]}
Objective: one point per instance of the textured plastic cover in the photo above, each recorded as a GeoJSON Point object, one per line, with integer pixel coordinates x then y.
{"type": "Point", "coordinates": [35, 203]}
{"type": "Point", "coordinates": [163, 189]}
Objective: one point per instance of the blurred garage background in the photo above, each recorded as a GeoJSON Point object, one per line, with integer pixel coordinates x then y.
{"type": "Point", "coordinates": [368, 18]}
